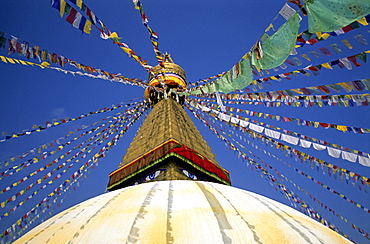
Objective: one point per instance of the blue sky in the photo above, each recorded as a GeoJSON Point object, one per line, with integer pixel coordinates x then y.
{"type": "Point", "coordinates": [205, 38]}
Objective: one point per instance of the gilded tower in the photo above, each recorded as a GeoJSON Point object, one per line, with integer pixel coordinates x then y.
{"type": "Point", "coordinates": [167, 146]}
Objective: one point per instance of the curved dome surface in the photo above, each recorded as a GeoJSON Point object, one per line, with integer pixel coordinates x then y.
{"type": "Point", "coordinates": [181, 212]}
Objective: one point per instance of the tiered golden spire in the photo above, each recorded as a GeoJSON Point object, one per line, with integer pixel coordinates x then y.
{"type": "Point", "coordinates": [167, 146]}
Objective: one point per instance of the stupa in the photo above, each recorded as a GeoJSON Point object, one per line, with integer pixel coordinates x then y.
{"type": "Point", "coordinates": [169, 188]}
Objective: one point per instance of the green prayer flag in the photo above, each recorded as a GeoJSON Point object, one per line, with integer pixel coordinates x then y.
{"type": "Point", "coordinates": [278, 46]}
{"type": "Point", "coordinates": [327, 15]}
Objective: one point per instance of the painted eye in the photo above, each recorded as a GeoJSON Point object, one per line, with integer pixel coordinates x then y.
{"type": "Point", "coordinates": [190, 175]}
{"type": "Point", "coordinates": [152, 175]}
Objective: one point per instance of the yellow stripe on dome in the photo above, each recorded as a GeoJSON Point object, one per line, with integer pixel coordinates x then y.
{"type": "Point", "coordinates": [168, 78]}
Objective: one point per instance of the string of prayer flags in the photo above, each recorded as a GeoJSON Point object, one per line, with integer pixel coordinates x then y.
{"type": "Point", "coordinates": [75, 18]}
{"type": "Point", "coordinates": [348, 86]}
{"type": "Point", "coordinates": [290, 137]}
{"type": "Point", "coordinates": [79, 19]}
{"type": "Point", "coordinates": [304, 141]}
{"type": "Point", "coordinates": [44, 155]}
{"type": "Point", "coordinates": [56, 142]}
{"type": "Point", "coordinates": [316, 124]}
{"type": "Point", "coordinates": [40, 128]}
{"type": "Point", "coordinates": [33, 51]}
{"type": "Point", "coordinates": [335, 169]}
{"type": "Point", "coordinates": [152, 35]}
{"type": "Point", "coordinates": [286, 97]}
{"type": "Point", "coordinates": [333, 191]}
{"type": "Point", "coordinates": [257, 132]}
{"type": "Point", "coordinates": [207, 79]}
{"type": "Point", "coordinates": [315, 68]}
{"type": "Point", "coordinates": [98, 139]}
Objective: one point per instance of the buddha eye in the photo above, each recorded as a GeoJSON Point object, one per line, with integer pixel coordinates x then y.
{"type": "Point", "coordinates": [190, 175]}
{"type": "Point", "coordinates": [152, 175]}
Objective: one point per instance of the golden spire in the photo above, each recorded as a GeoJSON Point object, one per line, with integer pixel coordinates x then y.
{"type": "Point", "coordinates": [166, 80]}
{"type": "Point", "coordinates": [169, 67]}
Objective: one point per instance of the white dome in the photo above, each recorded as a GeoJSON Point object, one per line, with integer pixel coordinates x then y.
{"type": "Point", "coordinates": [181, 212]}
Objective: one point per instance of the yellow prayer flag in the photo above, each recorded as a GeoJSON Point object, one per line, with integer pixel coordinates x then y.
{"type": "Point", "coordinates": [22, 62]}
{"type": "Point", "coordinates": [113, 34]}
{"type": "Point", "coordinates": [305, 56]}
{"type": "Point", "coordinates": [318, 34]}
{"type": "Point", "coordinates": [362, 21]}
{"type": "Point", "coordinates": [79, 3]}
{"type": "Point", "coordinates": [346, 42]}
{"type": "Point", "coordinates": [342, 128]}
{"type": "Point", "coordinates": [297, 91]}
{"type": "Point", "coordinates": [245, 56]}
{"type": "Point", "coordinates": [347, 86]}
{"type": "Point", "coordinates": [62, 7]}
{"type": "Point", "coordinates": [325, 36]}
{"type": "Point", "coordinates": [326, 65]}
{"type": "Point", "coordinates": [46, 64]}
{"type": "Point", "coordinates": [269, 27]}
{"type": "Point", "coordinates": [3, 59]}
{"type": "Point", "coordinates": [322, 36]}
{"type": "Point", "coordinates": [126, 50]}
{"type": "Point", "coordinates": [87, 27]}
{"type": "Point", "coordinates": [10, 60]}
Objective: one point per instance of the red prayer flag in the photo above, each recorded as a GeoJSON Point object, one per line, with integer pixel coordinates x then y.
{"type": "Point", "coordinates": [71, 17]}
{"type": "Point", "coordinates": [353, 60]}
{"type": "Point", "coordinates": [347, 28]}
{"type": "Point", "coordinates": [324, 89]}
{"type": "Point", "coordinates": [312, 41]}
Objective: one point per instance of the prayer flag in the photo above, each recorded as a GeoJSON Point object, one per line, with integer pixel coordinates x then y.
{"type": "Point", "coordinates": [77, 20]}
{"type": "Point", "coordinates": [72, 14]}
{"type": "Point", "coordinates": [87, 27]}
